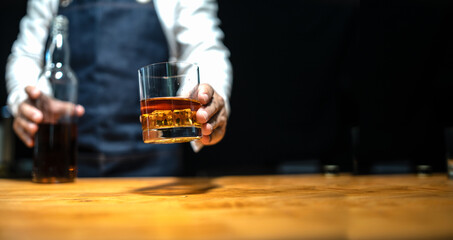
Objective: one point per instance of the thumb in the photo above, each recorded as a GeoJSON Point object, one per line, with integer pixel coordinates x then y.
{"type": "Point", "coordinates": [33, 92]}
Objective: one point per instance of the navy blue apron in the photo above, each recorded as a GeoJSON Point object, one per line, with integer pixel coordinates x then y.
{"type": "Point", "coordinates": [109, 41]}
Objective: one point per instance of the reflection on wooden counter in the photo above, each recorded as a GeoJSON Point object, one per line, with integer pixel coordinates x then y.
{"type": "Point", "coordinates": [249, 207]}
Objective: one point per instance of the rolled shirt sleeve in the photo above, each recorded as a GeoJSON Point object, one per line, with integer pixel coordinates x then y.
{"type": "Point", "coordinates": [199, 40]}
{"type": "Point", "coordinates": [25, 61]}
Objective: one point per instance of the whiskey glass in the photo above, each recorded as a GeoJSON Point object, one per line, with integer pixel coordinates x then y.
{"type": "Point", "coordinates": [169, 102]}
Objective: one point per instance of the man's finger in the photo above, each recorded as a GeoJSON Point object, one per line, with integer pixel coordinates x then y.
{"type": "Point", "coordinates": [215, 137]}
{"type": "Point", "coordinates": [54, 108]}
{"type": "Point", "coordinates": [61, 107]}
{"type": "Point", "coordinates": [216, 121]}
{"type": "Point", "coordinates": [28, 127]}
{"type": "Point", "coordinates": [205, 93]}
{"type": "Point", "coordinates": [205, 113]}
{"type": "Point", "coordinates": [80, 110]}
{"type": "Point", "coordinates": [32, 92]}
{"type": "Point", "coordinates": [20, 131]}
{"type": "Point", "coordinates": [29, 112]}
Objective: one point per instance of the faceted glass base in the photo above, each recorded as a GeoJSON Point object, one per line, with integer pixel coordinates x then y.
{"type": "Point", "coordinates": [172, 135]}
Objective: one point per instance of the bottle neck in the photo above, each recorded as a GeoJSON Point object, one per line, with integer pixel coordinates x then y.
{"type": "Point", "coordinates": [57, 54]}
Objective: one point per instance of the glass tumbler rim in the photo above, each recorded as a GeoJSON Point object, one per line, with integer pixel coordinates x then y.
{"type": "Point", "coordinates": [170, 62]}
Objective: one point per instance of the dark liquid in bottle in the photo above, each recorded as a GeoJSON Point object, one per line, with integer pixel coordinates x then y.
{"type": "Point", "coordinates": [55, 153]}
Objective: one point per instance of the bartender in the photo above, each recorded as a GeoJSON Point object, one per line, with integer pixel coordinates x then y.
{"type": "Point", "coordinates": [109, 41]}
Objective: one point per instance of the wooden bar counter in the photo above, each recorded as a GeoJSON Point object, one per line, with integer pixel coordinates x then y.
{"type": "Point", "coordinates": [245, 207]}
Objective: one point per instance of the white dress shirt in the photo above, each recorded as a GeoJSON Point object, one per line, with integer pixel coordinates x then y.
{"type": "Point", "coordinates": [190, 26]}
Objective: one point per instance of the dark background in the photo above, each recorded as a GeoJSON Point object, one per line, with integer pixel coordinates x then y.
{"type": "Point", "coordinates": [365, 85]}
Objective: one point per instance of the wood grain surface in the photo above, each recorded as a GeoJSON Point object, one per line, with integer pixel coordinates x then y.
{"type": "Point", "coordinates": [246, 207]}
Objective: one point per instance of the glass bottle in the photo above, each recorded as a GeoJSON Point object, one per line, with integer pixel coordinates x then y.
{"type": "Point", "coordinates": [55, 150]}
